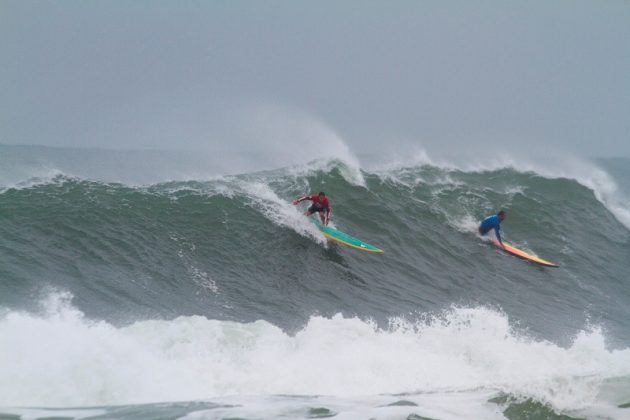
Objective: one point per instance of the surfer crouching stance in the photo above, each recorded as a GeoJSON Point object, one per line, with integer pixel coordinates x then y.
{"type": "Point", "coordinates": [493, 222]}
{"type": "Point", "coordinates": [320, 205]}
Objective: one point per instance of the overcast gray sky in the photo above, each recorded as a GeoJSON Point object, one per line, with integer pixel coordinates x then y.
{"type": "Point", "coordinates": [445, 75]}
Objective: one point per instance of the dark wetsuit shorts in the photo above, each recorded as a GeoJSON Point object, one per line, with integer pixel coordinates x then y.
{"type": "Point", "coordinates": [315, 209]}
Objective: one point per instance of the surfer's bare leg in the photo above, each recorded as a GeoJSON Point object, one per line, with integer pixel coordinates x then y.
{"type": "Point", "coordinates": [323, 219]}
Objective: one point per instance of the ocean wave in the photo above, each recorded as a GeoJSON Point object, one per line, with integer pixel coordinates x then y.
{"type": "Point", "coordinates": [334, 156]}
{"type": "Point", "coordinates": [585, 172]}
{"type": "Point", "coordinates": [189, 358]}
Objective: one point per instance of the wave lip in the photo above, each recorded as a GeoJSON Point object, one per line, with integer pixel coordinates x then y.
{"type": "Point", "coordinates": [273, 131]}
{"type": "Point", "coordinates": [586, 173]}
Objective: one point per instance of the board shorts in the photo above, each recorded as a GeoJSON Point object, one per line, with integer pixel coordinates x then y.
{"type": "Point", "coordinates": [315, 209]}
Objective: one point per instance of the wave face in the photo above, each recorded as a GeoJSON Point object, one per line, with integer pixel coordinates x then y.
{"type": "Point", "coordinates": [210, 291]}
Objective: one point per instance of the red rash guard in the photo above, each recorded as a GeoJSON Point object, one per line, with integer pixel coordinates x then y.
{"type": "Point", "coordinates": [319, 202]}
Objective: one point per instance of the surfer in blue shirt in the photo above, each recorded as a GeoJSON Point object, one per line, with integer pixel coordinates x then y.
{"type": "Point", "coordinates": [493, 222]}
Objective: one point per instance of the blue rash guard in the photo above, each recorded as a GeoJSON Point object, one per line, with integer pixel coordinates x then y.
{"type": "Point", "coordinates": [489, 223]}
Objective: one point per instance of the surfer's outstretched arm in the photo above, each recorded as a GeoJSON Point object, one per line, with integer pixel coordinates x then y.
{"type": "Point", "coordinates": [497, 231]}
{"type": "Point", "coordinates": [299, 200]}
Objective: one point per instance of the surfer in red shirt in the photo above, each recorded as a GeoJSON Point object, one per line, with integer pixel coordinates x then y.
{"type": "Point", "coordinates": [320, 205]}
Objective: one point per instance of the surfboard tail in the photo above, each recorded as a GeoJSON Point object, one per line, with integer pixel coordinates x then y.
{"type": "Point", "coordinates": [524, 255]}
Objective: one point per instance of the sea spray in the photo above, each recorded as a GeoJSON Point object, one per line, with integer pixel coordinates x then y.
{"type": "Point", "coordinates": [187, 358]}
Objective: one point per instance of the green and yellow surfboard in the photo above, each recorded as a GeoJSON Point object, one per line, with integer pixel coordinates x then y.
{"type": "Point", "coordinates": [345, 239]}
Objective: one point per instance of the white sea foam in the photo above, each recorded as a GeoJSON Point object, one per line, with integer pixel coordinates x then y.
{"type": "Point", "coordinates": [60, 358]}
{"type": "Point", "coordinates": [465, 224]}
{"type": "Point", "coordinates": [279, 211]}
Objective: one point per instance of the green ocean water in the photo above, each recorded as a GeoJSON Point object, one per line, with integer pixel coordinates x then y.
{"type": "Point", "coordinates": [219, 285]}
